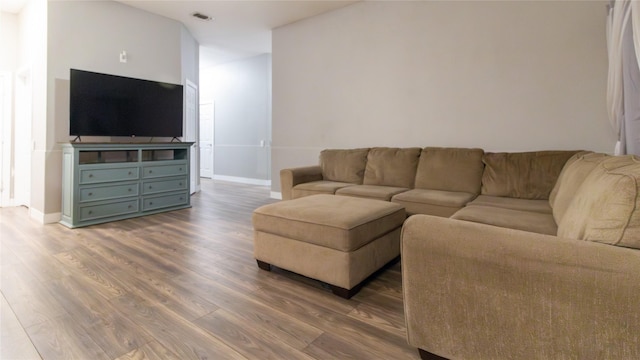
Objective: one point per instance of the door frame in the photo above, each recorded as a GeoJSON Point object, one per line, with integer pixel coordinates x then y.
{"type": "Point", "coordinates": [22, 146]}
{"type": "Point", "coordinates": [213, 119]}
{"type": "Point", "coordinates": [191, 134]}
{"type": "Point", "coordinates": [6, 131]}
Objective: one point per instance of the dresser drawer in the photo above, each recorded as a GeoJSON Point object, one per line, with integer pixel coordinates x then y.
{"type": "Point", "coordinates": [106, 192]}
{"type": "Point", "coordinates": [116, 208]}
{"type": "Point", "coordinates": [157, 186]}
{"type": "Point", "coordinates": [91, 176]}
{"type": "Point", "coordinates": [154, 171]}
{"type": "Point", "coordinates": [158, 202]}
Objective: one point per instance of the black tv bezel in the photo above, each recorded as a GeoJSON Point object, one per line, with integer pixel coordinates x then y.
{"type": "Point", "coordinates": [147, 132]}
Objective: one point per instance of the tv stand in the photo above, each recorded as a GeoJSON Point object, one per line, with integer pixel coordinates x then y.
{"type": "Point", "coordinates": [103, 182]}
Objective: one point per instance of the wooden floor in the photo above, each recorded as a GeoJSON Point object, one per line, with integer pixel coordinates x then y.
{"type": "Point", "coordinates": [180, 285]}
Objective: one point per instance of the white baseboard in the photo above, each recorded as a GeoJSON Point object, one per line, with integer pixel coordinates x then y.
{"type": "Point", "coordinates": [52, 218]}
{"type": "Point", "coordinates": [276, 195]}
{"type": "Point", "coordinates": [242, 180]}
{"type": "Point", "coordinates": [45, 218]}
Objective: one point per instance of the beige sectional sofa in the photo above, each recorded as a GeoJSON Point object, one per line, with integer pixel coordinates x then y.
{"type": "Point", "coordinates": [434, 181]}
{"type": "Point", "coordinates": [529, 255]}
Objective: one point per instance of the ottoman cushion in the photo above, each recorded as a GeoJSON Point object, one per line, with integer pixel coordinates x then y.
{"type": "Point", "coordinates": [337, 222]}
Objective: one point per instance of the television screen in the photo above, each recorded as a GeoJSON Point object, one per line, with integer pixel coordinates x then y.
{"type": "Point", "coordinates": [110, 105]}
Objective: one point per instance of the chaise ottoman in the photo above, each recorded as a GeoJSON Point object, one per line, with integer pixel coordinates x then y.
{"type": "Point", "coordinates": [339, 240]}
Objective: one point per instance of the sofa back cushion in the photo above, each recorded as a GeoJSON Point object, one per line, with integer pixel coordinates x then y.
{"type": "Point", "coordinates": [525, 175]}
{"type": "Point", "coordinates": [571, 177]}
{"type": "Point", "coordinates": [450, 169]}
{"type": "Point", "coordinates": [606, 207]}
{"type": "Point", "coordinates": [392, 167]}
{"type": "Point", "coordinates": [343, 165]}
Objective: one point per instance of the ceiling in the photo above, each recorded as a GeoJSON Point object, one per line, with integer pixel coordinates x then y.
{"type": "Point", "coordinates": [240, 28]}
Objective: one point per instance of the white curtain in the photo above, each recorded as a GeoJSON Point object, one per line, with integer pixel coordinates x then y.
{"type": "Point", "coordinates": [623, 87]}
{"type": "Point", "coordinates": [617, 20]}
{"type": "Point", "coordinates": [635, 20]}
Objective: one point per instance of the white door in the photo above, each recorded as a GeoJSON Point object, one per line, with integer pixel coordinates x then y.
{"type": "Point", "coordinates": [206, 140]}
{"type": "Point", "coordinates": [23, 139]}
{"type": "Point", "coordinates": [5, 134]}
{"type": "Point", "coordinates": [191, 114]}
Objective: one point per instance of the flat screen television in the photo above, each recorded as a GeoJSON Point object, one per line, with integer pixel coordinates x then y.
{"type": "Point", "coordinates": [110, 105]}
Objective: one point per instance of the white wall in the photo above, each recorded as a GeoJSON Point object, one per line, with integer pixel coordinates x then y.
{"type": "Point", "coordinates": [90, 35]}
{"type": "Point", "coordinates": [241, 91]}
{"type": "Point", "coordinates": [9, 34]}
{"type": "Point", "coordinates": [503, 76]}
{"type": "Point", "coordinates": [190, 57]}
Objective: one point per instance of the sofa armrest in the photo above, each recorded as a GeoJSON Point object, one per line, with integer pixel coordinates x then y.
{"type": "Point", "coordinates": [475, 291]}
{"type": "Point", "coordinates": [294, 176]}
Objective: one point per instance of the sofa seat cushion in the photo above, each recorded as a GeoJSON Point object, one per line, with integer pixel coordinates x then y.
{"type": "Point", "coordinates": [391, 167]}
{"type": "Point", "coordinates": [432, 202]}
{"type": "Point", "coordinates": [450, 169]}
{"type": "Point", "coordinates": [335, 222]}
{"type": "Point", "coordinates": [606, 207]}
{"type": "Point", "coordinates": [508, 218]}
{"type": "Point", "coordinates": [526, 175]}
{"type": "Point", "coordinates": [539, 206]}
{"type": "Point", "coordinates": [371, 191]}
{"type": "Point", "coordinates": [343, 165]}
{"type": "Point", "coordinates": [317, 187]}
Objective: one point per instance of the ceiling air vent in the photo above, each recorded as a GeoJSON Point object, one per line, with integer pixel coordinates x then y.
{"type": "Point", "coordinates": [201, 16]}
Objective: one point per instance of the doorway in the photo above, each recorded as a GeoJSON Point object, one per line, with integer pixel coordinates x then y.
{"type": "Point", "coordinates": [206, 140]}
{"type": "Point", "coordinates": [22, 144]}
{"type": "Point", "coordinates": [5, 132]}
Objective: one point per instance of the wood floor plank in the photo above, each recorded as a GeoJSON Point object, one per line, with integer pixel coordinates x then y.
{"type": "Point", "coordinates": [63, 338]}
{"type": "Point", "coordinates": [184, 302]}
{"type": "Point", "coordinates": [112, 331]}
{"type": "Point", "coordinates": [175, 333]}
{"type": "Point", "coordinates": [149, 351]}
{"type": "Point", "coordinates": [136, 248]}
{"type": "Point", "coordinates": [300, 286]}
{"type": "Point", "coordinates": [29, 252]}
{"type": "Point", "coordinates": [383, 342]}
{"type": "Point", "coordinates": [82, 264]}
{"type": "Point", "coordinates": [184, 285]}
{"type": "Point", "coordinates": [14, 341]}
{"type": "Point", "coordinates": [374, 310]}
{"type": "Point", "coordinates": [151, 282]}
{"type": "Point", "coordinates": [29, 299]}
{"type": "Point", "coordinates": [252, 342]}
{"type": "Point", "coordinates": [330, 346]}
{"type": "Point", "coordinates": [288, 329]}
{"type": "Point", "coordinates": [119, 256]}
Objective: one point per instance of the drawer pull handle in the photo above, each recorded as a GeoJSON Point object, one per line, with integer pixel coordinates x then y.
{"type": "Point", "coordinates": [150, 187]}
{"type": "Point", "coordinates": [129, 172]}
{"type": "Point", "coordinates": [181, 198]}
{"type": "Point", "coordinates": [90, 212]}
{"type": "Point", "coordinates": [150, 202]}
{"type": "Point", "coordinates": [90, 175]}
{"type": "Point", "coordinates": [180, 169]}
{"type": "Point", "coordinates": [130, 190]}
{"type": "Point", "coordinates": [150, 171]}
{"type": "Point", "coordinates": [180, 184]}
{"type": "Point", "coordinates": [90, 194]}
{"type": "Point", "coordinates": [130, 206]}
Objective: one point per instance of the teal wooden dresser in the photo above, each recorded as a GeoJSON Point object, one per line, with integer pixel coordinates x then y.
{"type": "Point", "coordinates": [104, 182]}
